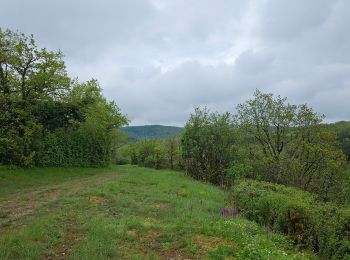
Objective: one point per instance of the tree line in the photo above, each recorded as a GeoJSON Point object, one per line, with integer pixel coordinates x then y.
{"type": "Point", "coordinates": [46, 117]}
{"type": "Point", "coordinates": [154, 153]}
{"type": "Point", "coordinates": [266, 139]}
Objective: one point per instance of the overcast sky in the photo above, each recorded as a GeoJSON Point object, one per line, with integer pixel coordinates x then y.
{"type": "Point", "coordinates": [158, 59]}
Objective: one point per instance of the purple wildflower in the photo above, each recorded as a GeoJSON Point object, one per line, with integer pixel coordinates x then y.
{"type": "Point", "coordinates": [224, 212]}
{"type": "Point", "coordinates": [229, 213]}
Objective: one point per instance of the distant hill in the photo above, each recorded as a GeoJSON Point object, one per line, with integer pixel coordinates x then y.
{"type": "Point", "coordinates": [151, 131]}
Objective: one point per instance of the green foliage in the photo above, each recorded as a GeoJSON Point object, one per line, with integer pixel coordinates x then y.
{"type": "Point", "coordinates": [208, 146]}
{"type": "Point", "coordinates": [153, 153]}
{"type": "Point", "coordinates": [261, 248]}
{"type": "Point", "coordinates": [150, 154]}
{"type": "Point", "coordinates": [28, 77]}
{"type": "Point", "coordinates": [119, 139]}
{"type": "Point", "coordinates": [342, 193]}
{"type": "Point", "coordinates": [279, 208]}
{"type": "Point", "coordinates": [268, 139]}
{"type": "Point", "coordinates": [173, 153]}
{"type": "Point", "coordinates": [44, 114]}
{"type": "Point", "coordinates": [86, 146]}
{"type": "Point", "coordinates": [342, 130]}
{"type": "Point", "coordinates": [240, 170]}
{"type": "Point", "coordinates": [288, 144]}
{"type": "Point", "coordinates": [324, 227]}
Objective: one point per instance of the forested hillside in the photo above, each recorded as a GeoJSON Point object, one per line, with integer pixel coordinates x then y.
{"type": "Point", "coordinates": [342, 130]}
{"type": "Point", "coordinates": [151, 131]}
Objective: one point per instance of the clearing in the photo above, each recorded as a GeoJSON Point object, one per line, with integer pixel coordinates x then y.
{"type": "Point", "coordinates": [124, 212]}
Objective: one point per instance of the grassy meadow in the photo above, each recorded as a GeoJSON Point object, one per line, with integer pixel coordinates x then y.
{"type": "Point", "coordinates": [125, 212]}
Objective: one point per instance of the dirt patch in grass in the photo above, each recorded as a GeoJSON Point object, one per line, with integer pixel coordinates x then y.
{"type": "Point", "coordinates": [140, 185]}
{"type": "Point", "coordinates": [104, 205]}
{"type": "Point", "coordinates": [174, 254]}
{"type": "Point", "coordinates": [208, 243]}
{"type": "Point", "coordinates": [132, 233]}
{"type": "Point", "coordinates": [25, 203]}
{"type": "Point", "coordinates": [96, 200]}
{"type": "Point", "coordinates": [72, 235]}
{"type": "Point", "coordinates": [129, 251]}
{"type": "Point", "coordinates": [162, 206]}
{"type": "Point", "coordinates": [150, 244]}
{"type": "Point", "coordinates": [152, 239]}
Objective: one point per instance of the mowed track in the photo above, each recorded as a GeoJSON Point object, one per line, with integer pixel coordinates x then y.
{"type": "Point", "coordinates": [123, 212]}
{"type": "Point", "coordinates": [24, 203]}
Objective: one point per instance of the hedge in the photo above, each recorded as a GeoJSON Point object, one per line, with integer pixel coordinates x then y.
{"type": "Point", "coordinates": [78, 148]}
{"type": "Point", "coordinates": [323, 227]}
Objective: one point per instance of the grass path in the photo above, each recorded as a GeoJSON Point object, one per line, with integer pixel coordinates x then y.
{"type": "Point", "coordinates": [124, 212]}
{"type": "Point", "coordinates": [23, 203]}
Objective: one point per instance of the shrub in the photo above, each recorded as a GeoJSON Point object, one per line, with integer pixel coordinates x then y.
{"type": "Point", "coordinates": [333, 231]}
{"type": "Point", "coordinates": [271, 205]}
{"type": "Point", "coordinates": [84, 147]}
{"type": "Point", "coordinates": [208, 146]}
{"type": "Point", "coordinates": [262, 248]}
{"type": "Point", "coordinates": [324, 227]}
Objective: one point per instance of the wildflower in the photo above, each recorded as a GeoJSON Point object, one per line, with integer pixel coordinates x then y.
{"type": "Point", "coordinates": [224, 212]}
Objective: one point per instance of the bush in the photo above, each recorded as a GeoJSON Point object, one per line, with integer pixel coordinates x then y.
{"type": "Point", "coordinates": [271, 205]}
{"type": "Point", "coordinates": [84, 147]}
{"type": "Point", "coordinates": [208, 146]}
{"type": "Point", "coordinates": [153, 153]}
{"type": "Point", "coordinates": [121, 160]}
{"type": "Point", "coordinates": [333, 231]}
{"type": "Point", "coordinates": [324, 227]}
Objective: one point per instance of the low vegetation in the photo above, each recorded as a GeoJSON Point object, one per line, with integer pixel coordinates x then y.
{"type": "Point", "coordinates": [153, 153]}
{"type": "Point", "coordinates": [125, 212]}
{"type": "Point", "coordinates": [324, 227]}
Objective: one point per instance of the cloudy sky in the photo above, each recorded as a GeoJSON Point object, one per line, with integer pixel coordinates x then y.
{"type": "Point", "coordinates": [161, 58]}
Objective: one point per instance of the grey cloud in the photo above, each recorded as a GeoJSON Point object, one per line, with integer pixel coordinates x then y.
{"type": "Point", "coordinates": [286, 20]}
{"type": "Point", "coordinates": [161, 58]}
{"type": "Point", "coordinates": [254, 62]}
{"type": "Point", "coordinates": [79, 27]}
